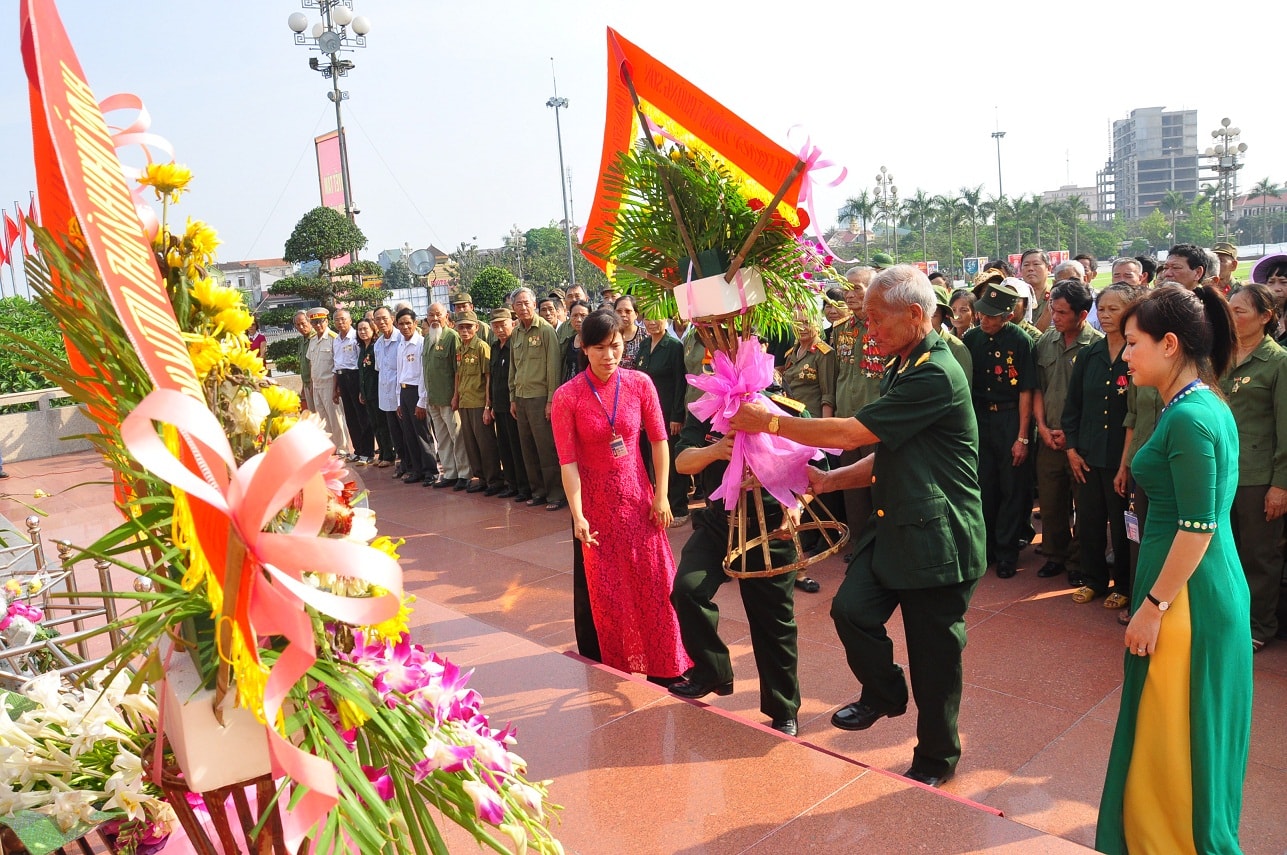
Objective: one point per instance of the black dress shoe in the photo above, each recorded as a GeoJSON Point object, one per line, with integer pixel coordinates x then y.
{"type": "Point", "coordinates": [476, 488]}
{"type": "Point", "coordinates": [807, 584]}
{"type": "Point", "coordinates": [859, 716]}
{"type": "Point", "coordinates": [508, 493]}
{"type": "Point", "coordinates": [1005, 570]}
{"type": "Point", "coordinates": [491, 491]}
{"type": "Point", "coordinates": [521, 497]}
{"type": "Point", "coordinates": [785, 725]}
{"type": "Point", "coordinates": [413, 478]}
{"type": "Point", "coordinates": [442, 482]}
{"type": "Point", "coordinates": [461, 484]}
{"type": "Point", "coordinates": [927, 780]}
{"type": "Point", "coordinates": [1051, 569]}
{"type": "Point", "coordinates": [694, 689]}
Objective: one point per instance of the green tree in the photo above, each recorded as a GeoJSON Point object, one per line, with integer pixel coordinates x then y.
{"type": "Point", "coordinates": [920, 206]}
{"type": "Point", "coordinates": [861, 207]}
{"type": "Point", "coordinates": [972, 202]}
{"type": "Point", "coordinates": [490, 285]}
{"type": "Point", "coordinates": [1154, 228]}
{"type": "Point", "coordinates": [22, 318]}
{"type": "Point", "coordinates": [1173, 206]}
{"type": "Point", "coordinates": [1074, 209]}
{"type": "Point", "coordinates": [948, 212]}
{"type": "Point", "coordinates": [1264, 189]}
{"type": "Point", "coordinates": [323, 235]}
{"type": "Point", "coordinates": [398, 276]}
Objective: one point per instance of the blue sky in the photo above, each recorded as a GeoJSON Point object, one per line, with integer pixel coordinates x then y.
{"type": "Point", "coordinates": [450, 138]}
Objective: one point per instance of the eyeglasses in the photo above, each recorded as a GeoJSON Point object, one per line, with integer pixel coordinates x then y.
{"type": "Point", "coordinates": [318, 322]}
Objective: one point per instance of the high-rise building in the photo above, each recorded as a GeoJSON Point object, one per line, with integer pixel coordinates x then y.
{"type": "Point", "coordinates": [1154, 151]}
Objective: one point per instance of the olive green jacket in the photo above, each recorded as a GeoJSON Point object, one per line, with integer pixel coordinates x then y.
{"type": "Point", "coordinates": [1257, 394]}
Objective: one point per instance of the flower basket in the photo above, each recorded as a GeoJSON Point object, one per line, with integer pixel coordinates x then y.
{"type": "Point", "coordinates": [212, 751]}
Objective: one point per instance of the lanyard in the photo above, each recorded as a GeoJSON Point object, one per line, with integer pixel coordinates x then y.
{"type": "Point", "coordinates": [612, 419]}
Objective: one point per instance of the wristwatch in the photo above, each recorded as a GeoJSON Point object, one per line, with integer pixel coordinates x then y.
{"type": "Point", "coordinates": [774, 424]}
{"type": "Point", "coordinates": [1162, 605]}
{"type": "Point", "coordinates": [1022, 439]}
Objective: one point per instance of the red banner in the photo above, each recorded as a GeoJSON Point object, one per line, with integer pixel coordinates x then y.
{"type": "Point", "coordinates": [330, 178]}
{"type": "Point", "coordinates": [79, 179]}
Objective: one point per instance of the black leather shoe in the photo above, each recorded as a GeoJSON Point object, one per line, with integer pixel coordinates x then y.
{"type": "Point", "coordinates": [413, 478]}
{"type": "Point", "coordinates": [491, 491]}
{"type": "Point", "coordinates": [1005, 570]}
{"type": "Point", "coordinates": [461, 484]}
{"type": "Point", "coordinates": [442, 482]}
{"type": "Point", "coordinates": [859, 716]}
{"type": "Point", "coordinates": [785, 725]}
{"type": "Point", "coordinates": [476, 488]}
{"type": "Point", "coordinates": [1051, 569]}
{"type": "Point", "coordinates": [927, 780]}
{"type": "Point", "coordinates": [693, 689]}
{"type": "Point", "coordinates": [522, 497]}
{"type": "Point", "coordinates": [508, 493]}
{"type": "Point", "coordinates": [807, 584]}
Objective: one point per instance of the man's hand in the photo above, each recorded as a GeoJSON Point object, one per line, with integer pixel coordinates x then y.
{"type": "Point", "coordinates": [1079, 466]}
{"type": "Point", "coordinates": [420, 413]}
{"type": "Point", "coordinates": [1018, 453]}
{"type": "Point", "coordinates": [752, 417]}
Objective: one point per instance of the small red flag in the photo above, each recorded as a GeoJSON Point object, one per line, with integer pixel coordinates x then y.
{"type": "Point", "coordinates": [11, 230]}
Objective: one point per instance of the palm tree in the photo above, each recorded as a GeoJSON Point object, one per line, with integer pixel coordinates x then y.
{"type": "Point", "coordinates": [920, 206]}
{"type": "Point", "coordinates": [1264, 189]}
{"type": "Point", "coordinates": [1038, 210]}
{"type": "Point", "coordinates": [861, 207]}
{"type": "Point", "coordinates": [1173, 204]}
{"type": "Point", "coordinates": [1074, 208]}
{"type": "Point", "coordinates": [971, 199]}
{"type": "Point", "coordinates": [995, 208]}
{"type": "Point", "coordinates": [948, 210]}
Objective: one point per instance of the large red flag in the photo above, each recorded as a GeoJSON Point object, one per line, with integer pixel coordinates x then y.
{"type": "Point", "coordinates": [687, 113]}
{"type": "Point", "coordinates": [11, 231]}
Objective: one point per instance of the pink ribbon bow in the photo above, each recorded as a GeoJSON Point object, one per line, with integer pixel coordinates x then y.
{"type": "Point", "coordinates": [243, 501]}
{"type": "Point", "coordinates": [775, 460]}
{"type": "Point", "coordinates": [812, 157]}
{"type": "Point", "coordinates": [136, 133]}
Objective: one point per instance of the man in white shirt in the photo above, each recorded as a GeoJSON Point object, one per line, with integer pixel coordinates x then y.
{"type": "Point", "coordinates": [321, 362]}
{"type": "Point", "coordinates": [417, 447]}
{"type": "Point", "coordinates": [386, 367]}
{"type": "Point", "coordinates": [344, 349]}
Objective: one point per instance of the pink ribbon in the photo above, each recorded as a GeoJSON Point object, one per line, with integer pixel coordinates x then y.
{"type": "Point", "coordinates": [812, 157]}
{"type": "Point", "coordinates": [248, 498]}
{"type": "Point", "coordinates": [776, 461]}
{"type": "Point", "coordinates": [136, 133]}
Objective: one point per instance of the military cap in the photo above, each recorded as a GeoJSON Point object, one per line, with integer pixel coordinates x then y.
{"type": "Point", "coordinates": [502, 314]}
{"type": "Point", "coordinates": [881, 260]}
{"type": "Point", "coordinates": [558, 294]}
{"type": "Point", "coordinates": [941, 295]}
{"type": "Point", "coordinates": [997, 299]}
{"type": "Point", "coordinates": [1225, 248]}
{"type": "Point", "coordinates": [319, 312]}
{"type": "Point", "coordinates": [461, 297]}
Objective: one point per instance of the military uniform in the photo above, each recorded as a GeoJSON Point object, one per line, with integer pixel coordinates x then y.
{"type": "Point", "coordinates": [439, 366]}
{"type": "Point", "coordinates": [473, 367]}
{"type": "Point", "coordinates": [810, 378]}
{"type": "Point", "coordinates": [1003, 370]}
{"type": "Point", "coordinates": [663, 362]}
{"type": "Point", "coordinates": [507, 441]}
{"type": "Point", "coordinates": [922, 550]}
{"type": "Point", "coordinates": [859, 368]}
{"type": "Point", "coordinates": [769, 601]}
{"type": "Point", "coordinates": [534, 369]}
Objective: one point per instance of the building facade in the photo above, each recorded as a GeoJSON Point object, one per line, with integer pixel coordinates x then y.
{"type": "Point", "coordinates": [1155, 151]}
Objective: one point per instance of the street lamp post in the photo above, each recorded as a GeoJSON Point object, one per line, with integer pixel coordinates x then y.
{"type": "Point", "coordinates": [561, 103]}
{"type": "Point", "coordinates": [1224, 161]}
{"type": "Point", "coordinates": [888, 194]}
{"type": "Point", "coordinates": [998, 136]}
{"type": "Point", "coordinates": [338, 30]}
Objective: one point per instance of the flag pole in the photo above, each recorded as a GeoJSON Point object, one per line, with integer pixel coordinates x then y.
{"type": "Point", "coordinates": [767, 212]}
{"type": "Point", "coordinates": [670, 191]}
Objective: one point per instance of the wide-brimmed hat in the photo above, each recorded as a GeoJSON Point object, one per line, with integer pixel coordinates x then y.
{"type": "Point", "coordinates": [1260, 273]}
{"type": "Point", "coordinates": [996, 300]}
{"type": "Point", "coordinates": [881, 260]}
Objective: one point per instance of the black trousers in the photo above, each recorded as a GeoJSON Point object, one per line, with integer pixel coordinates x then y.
{"type": "Point", "coordinates": [1100, 509]}
{"type": "Point", "coordinates": [355, 415]}
{"type": "Point", "coordinates": [770, 611]}
{"type": "Point", "coordinates": [419, 459]}
{"type": "Point", "coordinates": [1006, 488]}
{"type": "Point", "coordinates": [934, 624]}
{"type": "Point", "coordinates": [384, 445]}
{"type": "Point", "coordinates": [393, 426]}
{"type": "Point", "coordinates": [587, 635]}
{"type": "Point", "coordinates": [511, 450]}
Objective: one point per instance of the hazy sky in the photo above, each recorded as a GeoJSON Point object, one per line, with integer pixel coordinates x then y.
{"type": "Point", "coordinates": [450, 139]}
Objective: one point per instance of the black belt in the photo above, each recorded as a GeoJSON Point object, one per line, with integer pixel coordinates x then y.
{"type": "Point", "coordinates": [345, 370]}
{"type": "Point", "coordinates": [410, 386]}
{"type": "Point", "coordinates": [1002, 407]}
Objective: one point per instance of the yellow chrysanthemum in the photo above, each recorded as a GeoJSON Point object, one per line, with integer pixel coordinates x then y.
{"type": "Point", "coordinates": [281, 400]}
{"type": "Point", "coordinates": [351, 715]}
{"type": "Point", "coordinates": [206, 354]}
{"type": "Point", "coordinates": [215, 298]}
{"type": "Point", "coordinates": [388, 545]}
{"type": "Point", "coordinates": [234, 321]}
{"type": "Point", "coordinates": [280, 424]}
{"type": "Point", "coordinates": [398, 625]}
{"type": "Point", "coordinates": [200, 239]}
{"type": "Point", "coordinates": [248, 362]}
{"type": "Point", "coordinates": [167, 179]}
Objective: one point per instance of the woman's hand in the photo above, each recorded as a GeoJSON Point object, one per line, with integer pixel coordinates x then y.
{"type": "Point", "coordinates": [581, 528]}
{"type": "Point", "coordinates": [1141, 633]}
{"type": "Point", "coordinates": [661, 515]}
{"type": "Point", "coordinates": [1122, 481]}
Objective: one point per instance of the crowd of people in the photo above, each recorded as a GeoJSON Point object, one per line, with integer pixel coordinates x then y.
{"type": "Point", "coordinates": [1142, 423]}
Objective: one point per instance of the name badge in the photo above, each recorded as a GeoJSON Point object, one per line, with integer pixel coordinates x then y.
{"type": "Point", "coordinates": [1132, 526]}
{"type": "Point", "coordinates": [618, 445]}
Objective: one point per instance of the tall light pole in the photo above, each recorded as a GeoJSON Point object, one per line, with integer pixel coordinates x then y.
{"type": "Point", "coordinates": [1224, 160]}
{"type": "Point", "coordinates": [330, 36]}
{"type": "Point", "coordinates": [556, 102]}
{"type": "Point", "coordinates": [998, 136]}
{"type": "Point", "coordinates": [888, 194]}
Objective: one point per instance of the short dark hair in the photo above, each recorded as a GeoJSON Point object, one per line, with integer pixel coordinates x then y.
{"type": "Point", "coordinates": [1001, 264]}
{"type": "Point", "coordinates": [937, 274]}
{"type": "Point", "coordinates": [1199, 319]}
{"type": "Point", "coordinates": [1278, 268]}
{"type": "Point", "coordinates": [411, 313]}
{"type": "Point", "coordinates": [961, 293]}
{"type": "Point", "coordinates": [1148, 267]}
{"type": "Point", "coordinates": [582, 303]}
{"type": "Point", "coordinates": [1075, 292]}
{"type": "Point", "coordinates": [599, 327]}
{"type": "Point", "coordinates": [1045, 259]}
{"type": "Point", "coordinates": [1262, 300]}
{"type": "Point", "coordinates": [1088, 262]}
{"type": "Point", "coordinates": [1194, 256]}
{"type": "Point", "coordinates": [617, 302]}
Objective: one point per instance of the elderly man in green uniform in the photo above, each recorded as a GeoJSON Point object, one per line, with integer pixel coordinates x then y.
{"type": "Point", "coordinates": [463, 302]}
{"type": "Point", "coordinates": [922, 549]}
{"type": "Point", "coordinates": [943, 326]}
{"type": "Point", "coordinates": [859, 366]}
{"type": "Point", "coordinates": [473, 390]}
{"type": "Point", "coordinates": [1004, 377]}
{"type": "Point", "coordinates": [305, 370]}
{"type": "Point", "coordinates": [1055, 354]}
{"type": "Point", "coordinates": [534, 367]}
{"type": "Point", "coordinates": [441, 345]}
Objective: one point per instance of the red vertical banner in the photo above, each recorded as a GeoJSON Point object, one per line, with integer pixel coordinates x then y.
{"type": "Point", "coordinates": [330, 178]}
{"type": "Point", "coordinates": [81, 186]}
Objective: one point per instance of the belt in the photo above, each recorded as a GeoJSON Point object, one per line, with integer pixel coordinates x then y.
{"type": "Point", "coordinates": [345, 370]}
{"type": "Point", "coordinates": [999, 408]}
{"type": "Point", "coordinates": [410, 386]}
